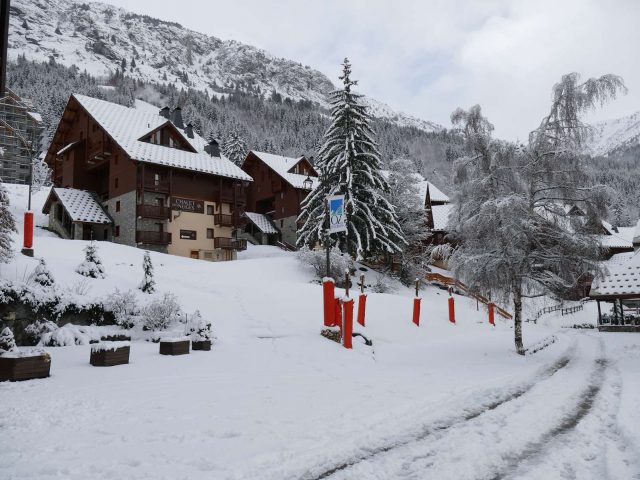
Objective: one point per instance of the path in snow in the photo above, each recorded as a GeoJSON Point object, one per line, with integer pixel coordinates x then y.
{"type": "Point", "coordinates": [559, 424]}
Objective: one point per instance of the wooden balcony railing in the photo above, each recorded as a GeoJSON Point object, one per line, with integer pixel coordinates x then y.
{"type": "Point", "coordinates": [98, 151]}
{"type": "Point", "coordinates": [224, 220]}
{"type": "Point", "coordinates": [227, 196]}
{"type": "Point", "coordinates": [153, 238]}
{"type": "Point", "coordinates": [151, 185]}
{"type": "Point", "coordinates": [240, 244]}
{"type": "Point", "coordinates": [153, 211]}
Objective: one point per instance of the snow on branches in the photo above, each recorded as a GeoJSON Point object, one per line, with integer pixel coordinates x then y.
{"type": "Point", "coordinates": [349, 163]}
{"type": "Point", "coordinates": [7, 226]}
{"type": "Point", "coordinates": [92, 265]}
{"type": "Point", "coordinates": [148, 284]}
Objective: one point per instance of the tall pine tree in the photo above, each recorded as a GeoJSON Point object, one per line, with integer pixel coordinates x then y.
{"type": "Point", "coordinates": [148, 284]}
{"type": "Point", "coordinates": [349, 163]}
{"type": "Point", "coordinates": [234, 147]}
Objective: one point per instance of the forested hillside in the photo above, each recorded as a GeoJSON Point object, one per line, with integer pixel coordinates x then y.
{"type": "Point", "coordinates": [275, 124]}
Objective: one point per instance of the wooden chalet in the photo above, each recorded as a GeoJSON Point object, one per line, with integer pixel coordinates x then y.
{"type": "Point", "coordinates": [164, 187]}
{"type": "Point", "coordinates": [279, 186]}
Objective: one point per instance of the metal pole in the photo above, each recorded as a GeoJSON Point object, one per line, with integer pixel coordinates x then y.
{"type": "Point", "coordinates": [346, 282]}
{"type": "Point", "coordinates": [326, 243]}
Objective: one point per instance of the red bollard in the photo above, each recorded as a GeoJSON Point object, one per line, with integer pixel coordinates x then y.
{"type": "Point", "coordinates": [416, 311]}
{"type": "Point", "coordinates": [452, 310]}
{"type": "Point", "coordinates": [491, 314]}
{"type": "Point", "coordinates": [328, 292]}
{"type": "Point", "coordinates": [347, 323]}
{"type": "Point", "coordinates": [337, 313]}
{"type": "Point", "coordinates": [362, 305]}
{"type": "Point", "coordinates": [28, 230]}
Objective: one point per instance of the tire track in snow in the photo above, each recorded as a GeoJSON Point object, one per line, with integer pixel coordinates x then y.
{"type": "Point", "coordinates": [431, 429]}
{"type": "Point", "coordinates": [582, 409]}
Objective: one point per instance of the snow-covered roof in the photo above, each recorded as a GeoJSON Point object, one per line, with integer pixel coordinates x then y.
{"type": "Point", "coordinates": [67, 147]}
{"type": "Point", "coordinates": [261, 221]}
{"type": "Point", "coordinates": [36, 116]}
{"type": "Point", "coordinates": [435, 193]}
{"type": "Point", "coordinates": [622, 280]}
{"type": "Point", "coordinates": [127, 125]}
{"type": "Point", "coordinates": [281, 165]}
{"type": "Point", "coordinates": [441, 216]}
{"type": "Point", "coordinates": [79, 204]}
{"type": "Point", "coordinates": [615, 241]}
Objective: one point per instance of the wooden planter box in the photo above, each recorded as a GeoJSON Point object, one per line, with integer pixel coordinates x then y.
{"type": "Point", "coordinates": [17, 369]}
{"type": "Point", "coordinates": [201, 345]}
{"type": "Point", "coordinates": [108, 357]}
{"type": "Point", "coordinates": [180, 347]}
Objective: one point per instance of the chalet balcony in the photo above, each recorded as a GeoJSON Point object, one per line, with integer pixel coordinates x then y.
{"type": "Point", "coordinates": [159, 186]}
{"type": "Point", "coordinates": [153, 211]}
{"type": "Point", "coordinates": [240, 244]}
{"type": "Point", "coordinates": [98, 152]}
{"type": "Point", "coordinates": [224, 220]}
{"type": "Point", "coordinates": [227, 196]}
{"type": "Point", "coordinates": [153, 238]}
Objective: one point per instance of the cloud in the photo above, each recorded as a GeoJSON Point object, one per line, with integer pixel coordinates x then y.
{"type": "Point", "coordinates": [429, 57]}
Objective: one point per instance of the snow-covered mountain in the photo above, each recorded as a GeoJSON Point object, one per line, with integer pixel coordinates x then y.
{"type": "Point", "coordinates": [613, 135]}
{"type": "Point", "coordinates": [102, 39]}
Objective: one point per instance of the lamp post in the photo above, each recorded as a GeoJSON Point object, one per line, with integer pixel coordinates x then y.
{"type": "Point", "coordinates": [27, 244]}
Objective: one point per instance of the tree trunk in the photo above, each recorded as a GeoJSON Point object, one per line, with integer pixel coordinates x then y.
{"type": "Point", "coordinates": [517, 318]}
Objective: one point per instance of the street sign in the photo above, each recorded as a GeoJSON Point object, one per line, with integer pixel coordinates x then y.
{"type": "Point", "coordinates": [337, 217]}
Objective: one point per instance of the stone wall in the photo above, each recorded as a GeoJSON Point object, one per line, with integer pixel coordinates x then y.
{"type": "Point", "coordinates": [125, 218]}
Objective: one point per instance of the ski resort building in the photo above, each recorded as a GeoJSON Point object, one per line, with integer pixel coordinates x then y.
{"type": "Point", "coordinates": [163, 186]}
{"type": "Point", "coordinates": [279, 186]}
{"type": "Point", "coordinates": [20, 132]}
{"type": "Point", "coordinates": [437, 207]}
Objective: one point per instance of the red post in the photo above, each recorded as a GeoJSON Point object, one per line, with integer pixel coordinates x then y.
{"type": "Point", "coordinates": [362, 305]}
{"type": "Point", "coordinates": [337, 313]}
{"type": "Point", "coordinates": [328, 292]}
{"type": "Point", "coordinates": [416, 311]}
{"type": "Point", "coordinates": [452, 310]}
{"type": "Point", "coordinates": [347, 323]}
{"type": "Point", "coordinates": [28, 230]}
{"type": "Point", "coordinates": [491, 314]}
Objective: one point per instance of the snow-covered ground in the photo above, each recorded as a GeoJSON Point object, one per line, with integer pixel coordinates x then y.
{"type": "Point", "coordinates": [275, 400]}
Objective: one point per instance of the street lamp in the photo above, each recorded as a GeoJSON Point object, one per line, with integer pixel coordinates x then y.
{"type": "Point", "coordinates": [308, 183]}
{"type": "Point", "coordinates": [27, 244]}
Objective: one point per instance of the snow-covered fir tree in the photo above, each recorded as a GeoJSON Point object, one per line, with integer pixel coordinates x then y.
{"type": "Point", "coordinates": [92, 265]}
{"type": "Point", "coordinates": [148, 284]}
{"type": "Point", "coordinates": [198, 329]}
{"type": "Point", "coordinates": [42, 275]}
{"type": "Point", "coordinates": [514, 234]}
{"type": "Point", "coordinates": [7, 226]}
{"type": "Point", "coordinates": [7, 341]}
{"type": "Point", "coordinates": [349, 163]}
{"type": "Point", "coordinates": [234, 147]}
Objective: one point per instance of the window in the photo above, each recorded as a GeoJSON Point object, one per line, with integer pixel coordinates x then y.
{"type": "Point", "coordinates": [160, 201]}
{"type": "Point", "coordinates": [209, 209]}
{"type": "Point", "coordinates": [171, 143]}
{"type": "Point", "coordinates": [159, 227]}
{"type": "Point", "coordinates": [188, 235]}
{"type": "Point", "coordinates": [117, 234]}
{"type": "Point", "coordinates": [209, 232]}
{"type": "Point", "coordinates": [281, 223]}
{"type": "Point", "coordinates": [208, 255]}
{"type": "Point", "coordinates": [281, 195]}
{"type": "Point", "coordinates": [59, 212]}
{"type": "Point", "coordinates": [115, 182]}
{"type": "Point", "coordinates": [156, 179]}
{"type": "Point", "coordinates": [118, 206]}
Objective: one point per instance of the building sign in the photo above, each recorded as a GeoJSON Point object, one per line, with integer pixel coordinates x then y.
{"type": "Point", "coordinates": [337, 217]}
{"type": "Point", "coordinates": [188, 234]}
{"type": "Point", "coordinates": [187, 205]}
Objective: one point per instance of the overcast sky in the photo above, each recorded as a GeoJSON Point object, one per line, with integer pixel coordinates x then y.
{"type": "Point", "coordinates": [428, 57]}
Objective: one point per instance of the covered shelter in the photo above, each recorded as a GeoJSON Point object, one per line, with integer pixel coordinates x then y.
{"type": "Point", "coordinates": [77, 215]}
{"type": "Point", "coordinates": [261, 228]}
{"type": "Point", "coordinates": [619, 288]}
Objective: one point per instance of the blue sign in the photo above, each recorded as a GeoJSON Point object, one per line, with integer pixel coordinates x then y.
{"type": "Point", "coordinates": [337, 217]}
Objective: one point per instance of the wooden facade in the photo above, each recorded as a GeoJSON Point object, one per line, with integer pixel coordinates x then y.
{"type": "Point", "coordinates": [138, 194]}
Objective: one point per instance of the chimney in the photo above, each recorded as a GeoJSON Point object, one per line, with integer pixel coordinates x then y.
{"type": "Point", "coordinates": [189, 130]}
{"type": "Point", "coordinates": [212, 148]}
{"type": "Point", "coordinates": [176, 118]}
{"type": "Point", "coordinates": [165, 112]}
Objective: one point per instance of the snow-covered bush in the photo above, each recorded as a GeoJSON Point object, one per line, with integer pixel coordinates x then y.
{"type": "Point", "coordinates": [381, 284]}
{"type": "Point", "coordinates": [161, 313]}
{"type": "Point", "coordinates": [69, 335]}
{"type": "Point", "coordinates": [38, 329]}
{"type": "Point", "coordinates": [7, 342]}
{"type": "Point", "coordinates": [124, 306]}
{"type": "Point", "coordinates": [7, 226]}
{"type": "Point", "coordinates": [317, 259]}
{"type": "Point", "coordinates": [198, 329]}
{"type": "Point", "coordinates": [148, 284]}
{"type": "Point", "coordinates": [42, 275]}
{"type": "Point", "coordinates": [91, 266]}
